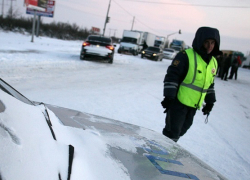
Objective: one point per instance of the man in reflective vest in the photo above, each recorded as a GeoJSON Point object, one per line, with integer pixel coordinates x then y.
{"type": "Point", "coordinates": [189, 82]}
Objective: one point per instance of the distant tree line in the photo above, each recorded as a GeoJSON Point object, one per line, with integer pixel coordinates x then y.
{"type": "Point", "coordinates": [54, 29]}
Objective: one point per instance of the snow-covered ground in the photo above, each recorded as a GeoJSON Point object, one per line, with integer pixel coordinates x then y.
{"type": "Point", "coordinates": [129, 90]}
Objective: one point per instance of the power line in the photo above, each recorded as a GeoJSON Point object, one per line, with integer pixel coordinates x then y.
{"type": "Point", "coordinates": [102, 16]}
{"type": "Point", "coordinates": [133, 17]}
{"type": "Point", "coordinates": [147, 26]}
{"type": "Point", "coordinates": [123, 9]}
{"type": "Point", "coordinates": [202, 5]}
{"type": "Point", "coordinates": [136, 20]}
{"type": "Point", "coordinates": [177, 4]}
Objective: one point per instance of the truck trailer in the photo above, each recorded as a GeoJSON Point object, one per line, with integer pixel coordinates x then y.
{"type": "Point", "coordinates": [149, 38]}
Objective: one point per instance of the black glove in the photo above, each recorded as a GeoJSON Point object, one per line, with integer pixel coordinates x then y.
{"type": "Point", "coordinates": [166, 103]}
{"type": "Point", "coordinates": [207, 109]}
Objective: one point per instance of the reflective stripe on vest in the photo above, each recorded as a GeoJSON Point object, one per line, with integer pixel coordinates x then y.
{"type": "Point", "coordinates": [200, 76]}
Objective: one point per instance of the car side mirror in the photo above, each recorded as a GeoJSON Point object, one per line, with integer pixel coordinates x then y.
{"type": "Point", "coordinates": [114, 45]}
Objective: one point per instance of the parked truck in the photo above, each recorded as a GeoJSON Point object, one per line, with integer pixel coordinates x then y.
{"type": "Point", "coordinates": [178, 45]}
{"type": "Point", "coordinates": [134, 41]}
{"type": "Point", "coordinates": [161, 42]}
{"type": "Point", "coordinates": [149, 38]}
{"type": "Point", "coordinates": [131, 42]}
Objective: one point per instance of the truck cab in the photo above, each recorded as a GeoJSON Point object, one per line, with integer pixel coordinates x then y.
{"type": "Point", "coordinates": [131, 42]}
{"type": "Point", "coordinates": [178, 45]}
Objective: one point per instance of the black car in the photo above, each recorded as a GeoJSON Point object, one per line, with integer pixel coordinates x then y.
{"type": "Point", "coordinates": [154, 53]}
{"type": "Point", "coordinates": [98, 47]}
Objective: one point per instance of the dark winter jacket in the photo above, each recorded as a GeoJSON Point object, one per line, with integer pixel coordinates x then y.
{"type": "Point", "coordinates": [177, 71]}
{"type": "Point", "coordinates": [236, 62]}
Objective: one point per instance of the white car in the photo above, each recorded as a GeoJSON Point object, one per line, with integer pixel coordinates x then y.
{"type": "Point", "coordinates": [98, 47]}
{"type": "Point", "coordinates": [41, 141]}
{"type": "Point", "coordinates": [169, 53]}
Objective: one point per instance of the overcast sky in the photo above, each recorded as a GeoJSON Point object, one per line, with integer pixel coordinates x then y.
{"type": "Point", "coordinates": [161, 17]}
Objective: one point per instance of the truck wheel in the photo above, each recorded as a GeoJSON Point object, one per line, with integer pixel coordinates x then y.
{"type": "Point", "coordinates": [135, 53]}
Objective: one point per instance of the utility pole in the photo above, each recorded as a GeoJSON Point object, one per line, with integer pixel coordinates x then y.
{"type": "Point", "coordinates": [33, 26]}
{"type": "Point", "coordinates": [174, 33]}
{"type": "Point", "coordinates": [2, 8]}
{"type": "Point", "coordinates": [11, 9]}
{"type": "Point", "coordinates": [133, 23]}
{"type": "Point", "coordinates": [113, 30]}
{"type": "Point", "coordinates": [106, 19]}
{"type": "Point", "coordinates": [109, 32]}
{"type": "Point", "coordinates": [38, 26]}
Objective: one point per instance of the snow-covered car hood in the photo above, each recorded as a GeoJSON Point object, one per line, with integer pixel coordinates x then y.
{"type": "Point", "coordinates": [37, 140]}
{"type": "Point", "coordinates": [142, 153]}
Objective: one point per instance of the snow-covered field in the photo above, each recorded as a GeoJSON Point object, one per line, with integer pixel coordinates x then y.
{"type": "Point", "coordinates": [129, 90]}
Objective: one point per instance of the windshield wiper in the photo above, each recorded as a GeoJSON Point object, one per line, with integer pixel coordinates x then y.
{"type": "Point", "coordinates": [46, 115]}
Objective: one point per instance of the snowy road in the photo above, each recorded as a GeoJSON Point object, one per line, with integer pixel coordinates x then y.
{"type": "Point", "coordinates": [130, 90]}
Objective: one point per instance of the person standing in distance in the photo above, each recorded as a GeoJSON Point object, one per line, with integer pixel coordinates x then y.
{"type": "Point", "coordinates": [227, 65]}
{"type": "Point", "coordinates": [190, 81]}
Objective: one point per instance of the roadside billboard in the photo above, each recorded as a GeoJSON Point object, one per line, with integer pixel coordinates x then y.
{"type": "Point", "coordinates": [95, 30]}
{"type": "Point", "coordinates": [49, 9]}
{"type": "Point", "coordinates": [38, 3]}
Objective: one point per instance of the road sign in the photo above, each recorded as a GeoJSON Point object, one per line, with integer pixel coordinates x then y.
{"type": "Point", "coordinates": [49, 10]}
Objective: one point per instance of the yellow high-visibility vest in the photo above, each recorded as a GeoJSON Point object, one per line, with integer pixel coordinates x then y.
{"type": "Point", "coordinates": [200, 76]}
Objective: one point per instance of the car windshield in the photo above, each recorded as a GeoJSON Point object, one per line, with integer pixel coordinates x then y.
{"type": "Point", "coordinates": [129, 40]}
{"type": "Point", "coordinates": [158, 42]}
{"type": "Point", "coordinates": [153, 49]}
{"type": "Point", "coordinates": [176, 42]}
{"type": "Point", "coordinates": [99, 38]}
{"type": "Point", "coordinates": [11, 91]}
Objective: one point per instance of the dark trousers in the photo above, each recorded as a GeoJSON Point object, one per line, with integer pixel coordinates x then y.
{"type": "Point", "coordinates": [178, 120]}
{"type": "Point", "coordinates": [234, 72]}
{"type": "Point", "coordinates": [219, 70]}
{"type": "Point", "coordinates": [225, 73]}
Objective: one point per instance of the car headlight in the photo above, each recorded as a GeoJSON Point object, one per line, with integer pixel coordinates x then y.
{"type": "Point", "coordinates": [154, 54]}
{"type": "Point", "coordinates": [143, 52]}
